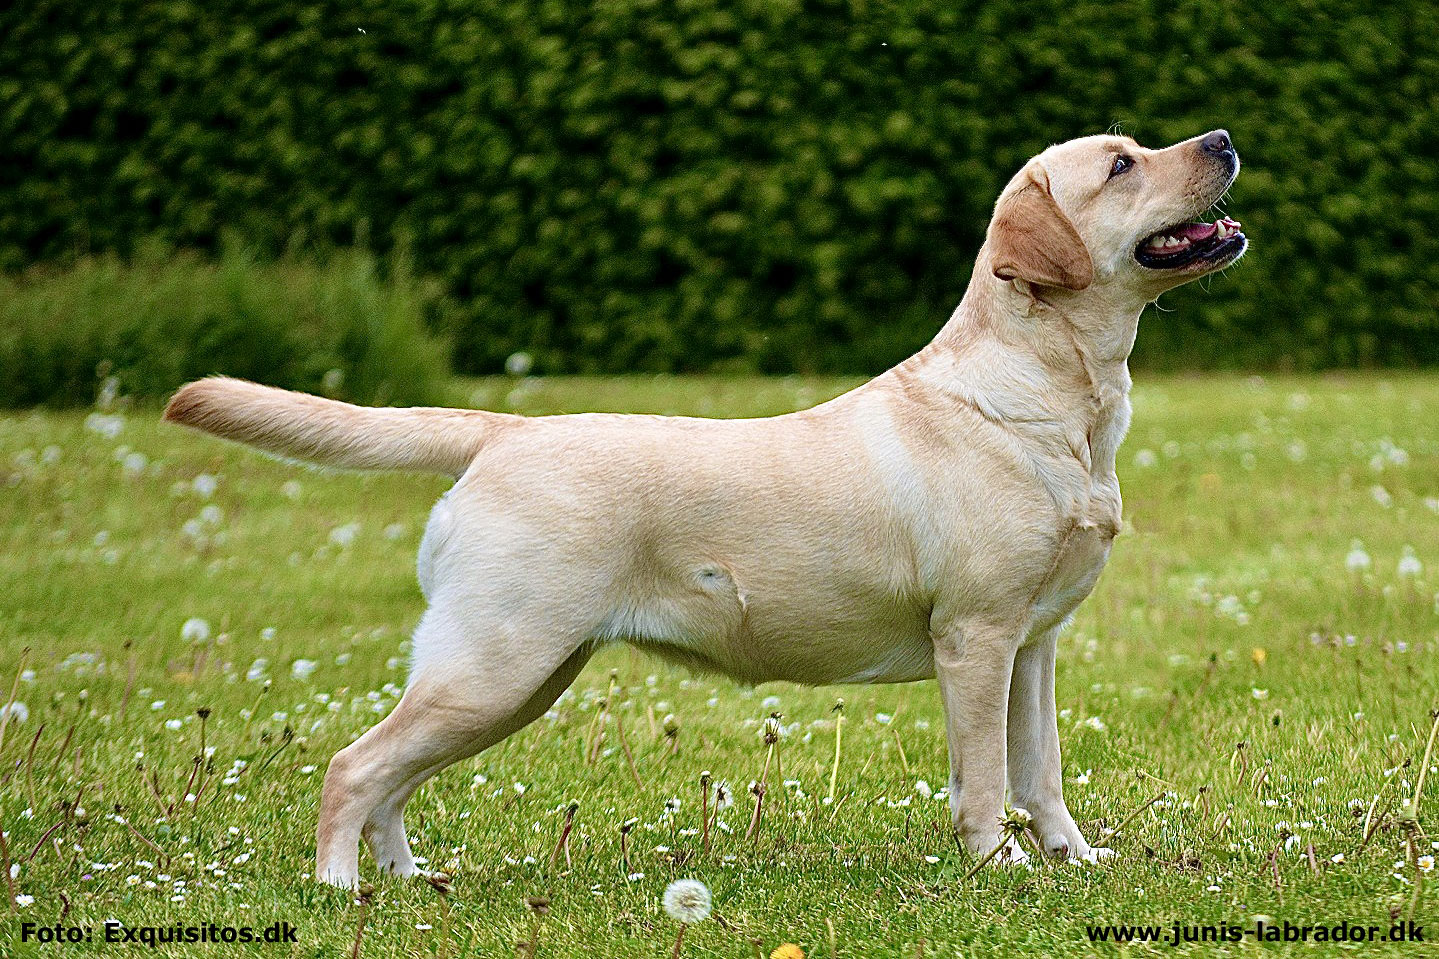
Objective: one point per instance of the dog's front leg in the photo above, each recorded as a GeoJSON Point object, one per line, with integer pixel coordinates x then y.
{"type": "Point", "coordinates": [973, 662]}
{"type": "Point", "coordinates": [1035, 771]}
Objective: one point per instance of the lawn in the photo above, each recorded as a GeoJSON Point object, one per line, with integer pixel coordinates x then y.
{"type": "Point", "coordinates": [1258, 663]}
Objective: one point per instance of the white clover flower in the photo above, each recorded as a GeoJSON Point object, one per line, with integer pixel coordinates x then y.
{"type": "Point", "coordinates": [1083, 778]}
{"type": "Point", "coordinates": [688, 901]}
{"type": "Point", "coordinates": [1145, 459]}
{"type": "Point", "coordinates": [1095, 723]}
{"type": "Point", "coordinates": [302, 668]}
{"type": "Point", "coordinates": [204, 485]}
{"type": "Point", "coordinates": [922, 787]}
{"type": "Point", "coordinates": [195, 630]}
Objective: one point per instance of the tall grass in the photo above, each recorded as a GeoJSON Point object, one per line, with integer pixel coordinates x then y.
{"type": "Point", "coordinates": [335, 327]}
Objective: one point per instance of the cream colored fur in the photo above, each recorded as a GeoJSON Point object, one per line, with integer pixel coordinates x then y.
{"type": "Point", "coordinates": [944, 519]}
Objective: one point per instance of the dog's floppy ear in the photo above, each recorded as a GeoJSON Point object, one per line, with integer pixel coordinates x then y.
{"type": "Point", "coordinates": [1031, 238]}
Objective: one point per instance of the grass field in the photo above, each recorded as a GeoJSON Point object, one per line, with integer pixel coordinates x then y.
{"type": "Point", "coordinates": [1262, 654]}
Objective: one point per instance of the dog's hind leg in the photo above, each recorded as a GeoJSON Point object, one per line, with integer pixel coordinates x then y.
{"type": "Point", "coordinates": [384, 829]}
{"type": "Point", "coordinates": [472, 688]}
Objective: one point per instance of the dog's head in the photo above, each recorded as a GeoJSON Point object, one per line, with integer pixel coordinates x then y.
{"type": "Point", "coordinates": [1103, 211]}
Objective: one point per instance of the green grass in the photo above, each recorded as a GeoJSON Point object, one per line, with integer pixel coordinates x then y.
{"type": "Point", "coordinates": [341, 326]}
{"type": "Point", "coordinates": [1228, 615]}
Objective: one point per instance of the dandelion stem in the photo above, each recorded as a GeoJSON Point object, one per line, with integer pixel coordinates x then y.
{"type": "Point", "coordinates": [119, 811]}
{"type": "Point", "coordinates": [367, 893]}
{"type": "Point", "coordinates": [14, 691]}
{"type": "Point", "coordinates": [629, 756]}
{"type": "Point", "coordinates": [1371, 825]}
{"type": "Point", "coordinates": [30, 765]}
{"type": "Point", "coordinates": [903, 759]}
{"type": "Point", "coordinates": [564, 835]}
{"type": "Point", "coordinates": [597, 725]}
{"type": "Point", "coordinates": [48, 833]}
{"type": "Point", "coordinates": [1110, 834]}
{"type": "Point", "coordinates": [129, 682]}
{"type": "Point", "coordinates": [60, 753]}
{"type": "Point", "coordinates": [679, 941]}
{"type": "Point", "coordinates": [1003, 841]}
{"type": "Point", "coordinates": [9, 879]}
{"type": "Point", "coordinates": [838, 739]}
{"type": "Point", "coordinates": [540, 908]}
{"type": "Point", "coordinates": [753, 832]}
{"type": "Point", "coordinates": [705, 811]}
{"type": "Point", "coordinates": [1424, 765]}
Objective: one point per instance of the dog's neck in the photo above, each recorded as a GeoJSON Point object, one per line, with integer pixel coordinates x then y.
{"type": "Point", "coordinates": [1045, 363]}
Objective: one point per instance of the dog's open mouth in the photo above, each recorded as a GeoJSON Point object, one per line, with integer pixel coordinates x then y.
{"type": "Point", "coordinates": [1210, 244]}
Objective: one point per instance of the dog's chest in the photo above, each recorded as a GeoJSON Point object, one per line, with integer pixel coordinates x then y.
{"type": "Point", "coordinates": [1077, 565]}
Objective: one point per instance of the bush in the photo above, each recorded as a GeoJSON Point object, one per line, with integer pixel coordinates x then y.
{"type": "Point", "coordinates": [770, 184]}
{"type": "Point", "coordinates": [155, 324]}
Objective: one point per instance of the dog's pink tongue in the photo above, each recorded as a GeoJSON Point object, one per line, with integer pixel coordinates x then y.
{"type": "Point", "coordinates": [1194, 232]}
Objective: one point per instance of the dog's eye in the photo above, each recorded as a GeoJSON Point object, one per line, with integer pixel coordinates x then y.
{"type": "Point", "coordinates": [1121, 163]}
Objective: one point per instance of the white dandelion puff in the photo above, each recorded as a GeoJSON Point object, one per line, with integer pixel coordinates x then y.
{"type": "Point", "coordinates": [195, 630]}
{"type": "Point", "coordinates": [1409, 564]}
{"type": "Point", "coordinates": [1357, 560]}
{"type": "Point", "coordinates": [688, 901]}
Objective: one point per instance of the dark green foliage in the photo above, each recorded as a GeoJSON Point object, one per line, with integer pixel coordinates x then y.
{"type": "Point", "coordinates": [333, 329]}
{"type": "Point", "coordinates": [767, 184]}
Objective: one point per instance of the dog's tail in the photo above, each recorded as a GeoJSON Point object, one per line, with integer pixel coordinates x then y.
{"type": "Point", "coordinates": [331, 433]}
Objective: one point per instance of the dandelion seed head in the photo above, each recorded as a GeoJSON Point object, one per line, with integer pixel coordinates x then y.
{"type": "Point", "coordinates": [688, 901]}
{"type": "Point", "coordinates": [195, 630]}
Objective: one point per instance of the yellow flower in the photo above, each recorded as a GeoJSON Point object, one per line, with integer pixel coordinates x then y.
{"type": "Point", "coordinates": [1259, 655]}
{"type": "Point", "coordinates": [787, 951]}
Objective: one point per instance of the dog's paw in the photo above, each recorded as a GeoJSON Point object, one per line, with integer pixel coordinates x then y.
{"type": "Point", "coordinates": [340, 879]}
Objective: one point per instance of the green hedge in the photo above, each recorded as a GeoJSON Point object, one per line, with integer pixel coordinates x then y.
{"type": "Point", "coordinates": [767, 184]}
{"type": "Point", "coordinates": [148, 326]}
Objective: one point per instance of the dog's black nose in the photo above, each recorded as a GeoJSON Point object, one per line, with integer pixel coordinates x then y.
{"type": "Point", "coordinates": [1217, 143]}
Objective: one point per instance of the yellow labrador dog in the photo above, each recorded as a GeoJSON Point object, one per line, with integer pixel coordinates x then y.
{"type": "Point", "coordinates": [944, 519]}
